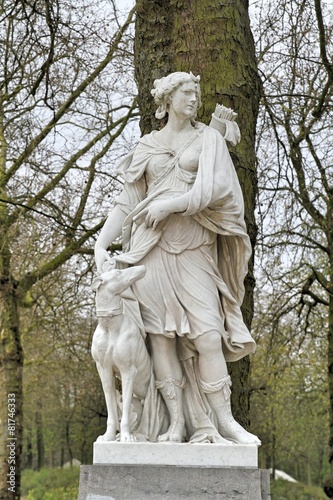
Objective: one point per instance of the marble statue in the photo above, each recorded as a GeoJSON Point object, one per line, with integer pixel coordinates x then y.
{"type": "Point", "coordinates": [181, 215]}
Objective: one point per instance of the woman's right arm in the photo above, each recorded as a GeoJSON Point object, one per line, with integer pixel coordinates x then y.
{"type": "Point", "coordinates": [111, 230]}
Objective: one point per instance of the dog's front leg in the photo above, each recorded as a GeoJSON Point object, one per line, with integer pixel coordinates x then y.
{"type": "Point", "coordinates": [127, 380]}
{"type": "Point", "coordinates": [109, 387]}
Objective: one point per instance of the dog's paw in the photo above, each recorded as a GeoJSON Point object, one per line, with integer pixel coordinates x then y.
{"type": "Point", "coordinates": [126, 437]}
{"type": "Point", "coordinates": [108, 436]}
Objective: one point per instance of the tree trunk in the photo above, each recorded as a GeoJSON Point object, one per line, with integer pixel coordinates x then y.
{"type": "Point", "coordinates": [11, 365]}
{"type": "Point", "coordinates": [29, 460]}
{"type": "Point", "coordinates": [68, 444]}
{"type": "Point", "coordinates": [40, 437]}
{"type": "Point", "coordinates": [212, 39]}
{"type": "Point", "coordinates": [11, 355]}
{"type": "Point", "coordinates": [330, 374]}
{"type": "Point", "coordinates": [329, 234]}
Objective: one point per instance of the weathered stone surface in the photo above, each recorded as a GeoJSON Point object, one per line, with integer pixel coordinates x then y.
{"type": "Point", "coordinates": [152, 482]}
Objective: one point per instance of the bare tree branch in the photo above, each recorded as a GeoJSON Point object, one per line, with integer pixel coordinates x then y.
{"type": "Point", "coordinates": [66, 105]}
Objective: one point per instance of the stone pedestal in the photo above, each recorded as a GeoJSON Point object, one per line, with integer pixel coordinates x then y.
{"type": "Point", "coordinates": [178, 454]}
{"type": "Point", "coordinates": [173, 471]}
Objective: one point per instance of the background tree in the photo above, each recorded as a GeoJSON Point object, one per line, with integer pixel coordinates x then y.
{"type": "Point", "coordinates": [60, 379]}
{"type": "Point", "coordinates": [294, 41]}
{"type": "Point", "coordinates": [212, 39]}
{"type": "Point", "coordinates": [61, 108]}
{"type": "Point", "coordinates": [289, 406]}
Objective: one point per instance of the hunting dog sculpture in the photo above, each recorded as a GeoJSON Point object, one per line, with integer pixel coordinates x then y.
{"type": "Point", "coordinates": [118, 348]}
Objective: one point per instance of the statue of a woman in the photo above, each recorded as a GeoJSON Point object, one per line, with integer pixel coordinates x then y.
{"type": "Point", "coordinates": [181, 215]}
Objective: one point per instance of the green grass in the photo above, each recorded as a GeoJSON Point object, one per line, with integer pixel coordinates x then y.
{"type": "Point", "coordinates": [50, 484]}
{"type": "Point", "coordinates": [283, 490]}
{"type": "Point", "coordinates": [62, 484]}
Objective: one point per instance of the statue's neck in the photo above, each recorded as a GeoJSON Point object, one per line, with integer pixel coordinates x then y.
{"type": "Point", "coordinates": [108, 306]}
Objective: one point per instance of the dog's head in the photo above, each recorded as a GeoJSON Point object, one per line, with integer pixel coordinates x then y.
{"type": "Point", "coordinates": [117, 281]}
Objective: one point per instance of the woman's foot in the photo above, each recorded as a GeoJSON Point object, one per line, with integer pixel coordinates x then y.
{"type": "Point", "coordinates": [174, 434]}
{"type": "Point", "coordinates": [219, 401]}
{"type": "Point", "coordinates": [233, 431]}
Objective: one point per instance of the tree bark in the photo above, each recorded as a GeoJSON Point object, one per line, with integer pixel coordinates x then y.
{"type": "Point", "coordinates": [11, 366]}
{"type": "Point", "coordinates": [330, 350]}
{"type": "Point", "coordinates": [40, 437]}
{"type": "Point", "coordinates": [212, 39]}
{"type": "Point", "coordinates": [329, 235]}
{"type": "Point", "coordinates": [29, 458]}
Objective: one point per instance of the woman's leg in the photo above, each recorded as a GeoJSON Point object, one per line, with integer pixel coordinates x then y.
{"type": "Point", "coordinates": [216, 383]}
{"type": "Point", "coordinates": [170, 382]}
{"type": "Point", "coordinates": [165, 358]}
{"type": "Point", "coordinates": [212, 364]}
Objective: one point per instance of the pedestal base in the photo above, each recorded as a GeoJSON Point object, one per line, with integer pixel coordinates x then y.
{"type": "Point", "coordinates": [173, 471]}
{"type": "Point", "coordinates": [167, 482]}
{"type": "Point", "coordinates": [183, 454]}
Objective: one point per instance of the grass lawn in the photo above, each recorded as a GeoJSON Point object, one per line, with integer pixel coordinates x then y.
{"type": "Point", "coordinates": [284, 490]}
{"type": "Point", "coordinates": [50, 484]}
{"type": "Point", "coordinates": [63, 484]}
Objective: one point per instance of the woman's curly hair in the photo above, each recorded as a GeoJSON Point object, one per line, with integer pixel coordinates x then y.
{"type": "Point", "coordinates": [165, 86]}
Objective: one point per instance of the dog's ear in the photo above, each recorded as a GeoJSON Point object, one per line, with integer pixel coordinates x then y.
{"type": "Point", "coordinates": [96, 283]}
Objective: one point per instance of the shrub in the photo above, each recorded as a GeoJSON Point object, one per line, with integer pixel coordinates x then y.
{"type": "Point", "coordinates": [284, 490]}
{"type": "Point", "coordinates": [50, 484]}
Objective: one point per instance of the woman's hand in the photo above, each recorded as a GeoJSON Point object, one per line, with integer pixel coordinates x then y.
{"type": "Point", "coordinates": [153, 214]}
{"type": "Point", "coordinates": [102, 258]}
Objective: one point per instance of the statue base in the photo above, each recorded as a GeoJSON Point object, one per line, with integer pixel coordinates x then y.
{"type": "Point", "coordinates": [173, 471]}
{"type": "Point", "coordinates": [179, 454]}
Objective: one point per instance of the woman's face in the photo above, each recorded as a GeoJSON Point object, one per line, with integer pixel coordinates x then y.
{"type": "Point", "coordinates": [184, 100]}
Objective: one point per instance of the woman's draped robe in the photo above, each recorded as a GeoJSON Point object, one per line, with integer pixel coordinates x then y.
{"type": "Point", "coordinates": [208, 239]}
